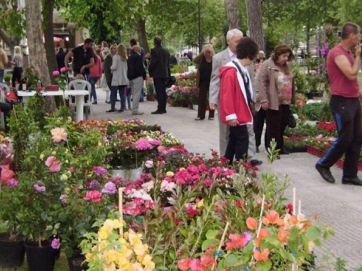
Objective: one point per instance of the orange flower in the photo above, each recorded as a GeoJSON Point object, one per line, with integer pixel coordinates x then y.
{"type": "Point", "coordinates": [282, 237]}
{"type": "Point", "coordinates": [251, 223]}
{"type": "Point", "coordinates": [273, 217]}
{"type": "Point", "coordinates": [263, 233]}
{"type": "Point", "coordinates": [261, 256]}
{"type": "Point", "coordinates": [257, 242]}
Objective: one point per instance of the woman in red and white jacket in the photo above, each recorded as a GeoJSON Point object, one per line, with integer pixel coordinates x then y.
{"type": "Point", "coordinates": [95, 74]}
{"type": "Point", "coordinates": [236, 96]}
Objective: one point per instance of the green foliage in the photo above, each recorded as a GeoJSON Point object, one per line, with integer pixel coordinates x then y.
{"type": "Point", "coordinates": [299, 78]}
{"type": "Point", "coordinates": [317, 112]}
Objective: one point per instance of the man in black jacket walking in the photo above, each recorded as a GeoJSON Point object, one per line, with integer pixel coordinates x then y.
{"type": "Point", "coordinates": [159, 70]}
{"type": "Point", "coordinates": [136, 73]}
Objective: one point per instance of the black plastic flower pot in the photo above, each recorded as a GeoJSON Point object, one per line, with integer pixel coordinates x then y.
{"type": "Point", "coordinates": [11, 252]}
{"type": "Point", "coordinates": [40, 258]}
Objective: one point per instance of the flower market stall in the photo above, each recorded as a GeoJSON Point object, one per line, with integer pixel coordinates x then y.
{"type": "Point", "coordinates": [192, 212]}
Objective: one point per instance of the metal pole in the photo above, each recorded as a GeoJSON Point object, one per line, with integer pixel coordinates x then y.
{"type": "Point", "coordinates": [199, 13]}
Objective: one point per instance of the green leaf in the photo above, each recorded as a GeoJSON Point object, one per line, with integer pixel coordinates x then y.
{"type": "Point", "coordinates": [313, 233]}
{"type": "Point", "coordinates": [205, 245]}
{"type": "Point", "coordinates": [231, 260]}
{"type": "Point", "coordinates": [264, 266]}
{"type": "Point", "coordinates": [211, 234]}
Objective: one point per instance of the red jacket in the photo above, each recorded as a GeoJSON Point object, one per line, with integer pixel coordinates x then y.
{"type": "Point", "coordinates": [233, 99]}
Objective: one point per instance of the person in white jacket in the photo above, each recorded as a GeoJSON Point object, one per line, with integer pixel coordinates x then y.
{"type": "Point", "coordinates": [119, 77]}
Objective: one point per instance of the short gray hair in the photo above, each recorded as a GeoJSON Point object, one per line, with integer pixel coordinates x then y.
{"type": "Point", "coordinates": [230, 34]}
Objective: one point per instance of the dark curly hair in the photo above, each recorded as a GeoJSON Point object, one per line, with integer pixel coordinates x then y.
{"type": "Point", "coordinates": [247, 48]}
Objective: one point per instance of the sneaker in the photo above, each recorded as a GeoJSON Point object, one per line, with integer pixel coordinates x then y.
{"type": "Point", "coordinates": [94, 102]}
{"type": "Point", "coordinates": [137, 113]}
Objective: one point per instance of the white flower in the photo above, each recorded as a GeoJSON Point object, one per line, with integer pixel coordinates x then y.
{"type": "Point", "coordinates": [166, 186]}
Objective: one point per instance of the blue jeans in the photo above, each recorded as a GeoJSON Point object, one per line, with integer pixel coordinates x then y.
{"type": "Point", "coordinates": [2, 75]}
{"type": "Point", "coordinates": [122, 94]}
{"type": "Point", "coordinates": [93, 81]}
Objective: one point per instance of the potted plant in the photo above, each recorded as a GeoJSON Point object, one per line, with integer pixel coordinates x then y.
{"type": "Point", "coordinates": [11, 243]}
{"type": "Point", "coordinates": [151, 96]}
{"type": "Point", "coordinates": [7, 79]}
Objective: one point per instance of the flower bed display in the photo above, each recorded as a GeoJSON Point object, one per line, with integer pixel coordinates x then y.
{"type": "Point", "coordinates": [193, 212]}
{"type": "Point", "coordinates": [320, 153]}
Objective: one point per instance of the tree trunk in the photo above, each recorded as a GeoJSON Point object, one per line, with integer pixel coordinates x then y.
{"type": "Point", "coordinates": [37, 56]}
{"type": "Point", "coordinates": [255, 22]}
{"type": "Point", "coordinates": [49, 38]}
{"type": "Point", "coordinates": [141, 31]}
{"type": "Point", "coordinates": [232, 13]}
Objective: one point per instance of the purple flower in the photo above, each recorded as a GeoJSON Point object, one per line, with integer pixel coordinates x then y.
{"type": "Point", "coordinates": [55, 243]}
{"type": "Point", "coordinates": [100, 171]}
{"type": "Point", "coordinates": [13, 182]}
{"type": "Point", "coordinates": [94, 184]}
{"type": "Point", "coordinates": [39, 188]}
{"type": "Point", "coordinates": [109, 188]}
{"type": "Point", "coordinates": [247, 236]}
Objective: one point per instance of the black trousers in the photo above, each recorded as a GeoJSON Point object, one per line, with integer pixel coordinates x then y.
{"type": "Point", "coordinates": [259, 120]}
{"type": "Point", "coordinates": [347, 114]}
{"type": "Point", "coordinates": [276, 122]}
{"type": "Point", "coordinates": [17, 73]}
{"type": "Point", "coordinates": [238, 143]}
{"type": "Point", "coordinates": [160, 86]}
{"type": "Point", "coordinates": [203, 100]}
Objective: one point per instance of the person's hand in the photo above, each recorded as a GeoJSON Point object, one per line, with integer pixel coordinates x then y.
{"type": "Point", "coordinates": [358, 50]}
{"type": "Point", "coordinates": [213, 106]}
{"type": "Point", "coordinates": [82, 70]}
{"type": "Point", "coordinates": [233, 123]}
{"type": "Point", "coordinates": [265, 106]}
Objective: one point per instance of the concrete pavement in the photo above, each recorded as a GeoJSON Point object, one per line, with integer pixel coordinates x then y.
{"type": "Point", "coordinates": [335, 204]}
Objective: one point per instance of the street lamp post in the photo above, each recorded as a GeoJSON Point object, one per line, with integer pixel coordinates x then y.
{"type": "Point", "coordinates": [199, 14]}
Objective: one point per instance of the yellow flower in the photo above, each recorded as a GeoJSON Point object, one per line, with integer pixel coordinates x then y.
{"type": "Point", "coordinates": [100, 144]}
{"type": "Point", "coordinates": [148, 263]}
{"type": "Point", "coordinates": [200, 203]}
{"type": "Point", "coordinates": [54, 153]}
{"type": "Point", "coordinates": [42, 156]}
{"type": "Point", "coordinates": [116, 223]}
{"type": "Point", "coordinates": [109, 224]}
{"type": "Point", "coordinates": [109, 267]}
{"type": "Point", "coordinates": [124, 264]}
{"type": "Point", "coordinates": [103, 233]}
{"type": "Point", "coordinates": [88, 256]}
{"type": "Point", "coordinates": [170, 174]}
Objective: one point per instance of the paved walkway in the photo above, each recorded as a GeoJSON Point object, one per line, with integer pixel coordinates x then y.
{"type": "Point", "coordinates": [336, 204]}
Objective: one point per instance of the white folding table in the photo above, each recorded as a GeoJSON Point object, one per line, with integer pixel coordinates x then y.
{"type": "Point", "coordinates": [79, 98]}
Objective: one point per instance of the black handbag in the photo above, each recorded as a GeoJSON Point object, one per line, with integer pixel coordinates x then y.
{"type": "Point", "coordinates": [171, 81]}
{"type": "Point", "coordinates": [292, 123]}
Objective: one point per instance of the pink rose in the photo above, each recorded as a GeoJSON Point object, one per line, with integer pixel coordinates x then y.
{"type": "Point", "coordinates": [94, 196]}
{"type": "Point", "coordinates": [58, 134]}
{"type": "Point", "coordinates": [53, 164]}
{"type": "Point", "coordinates": [63, 69]}
{"type": "Point", "coordinates": [56, 73]}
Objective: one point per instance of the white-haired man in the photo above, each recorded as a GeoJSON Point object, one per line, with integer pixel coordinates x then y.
{"type": "Point", "coordinates": [233, 37]}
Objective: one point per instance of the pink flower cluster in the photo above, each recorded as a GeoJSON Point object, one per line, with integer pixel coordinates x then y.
{"type": "Point", "coordinates": [53, 164]}
{"type": "Point", "coordinates": [203, 264]}
{"type": "Point", "coordinates": [146, 144]}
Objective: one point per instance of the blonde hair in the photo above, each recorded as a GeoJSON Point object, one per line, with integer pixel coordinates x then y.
{"type": "Point", "coordinates": [122, 52]}
{"type": "Point", "coordinates": [209, 47]}
{"type": "Point", "coordinates": [18, 51]}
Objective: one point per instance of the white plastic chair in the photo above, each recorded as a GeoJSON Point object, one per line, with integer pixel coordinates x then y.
{"type": "Point", "coordinates": [79, 84]}
{"type": "Point", "coordinates": [6, 89]}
